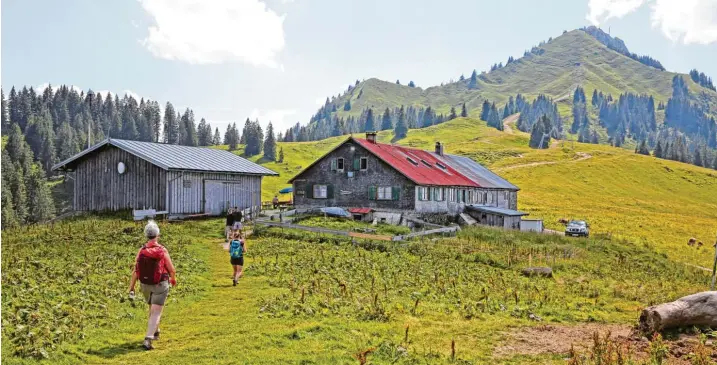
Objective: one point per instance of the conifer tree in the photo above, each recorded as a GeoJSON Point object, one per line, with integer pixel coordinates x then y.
{"type": "Point", "coordinates": [9, 218]}
{"type": "Point", "coordinates": [347, 105]}
{"type": "Point", "coordinates": [386, 120]}
{"type": "Point", "coordinates": [171, 125]}
{"type": "Point", "coordinates": [67, 144]}
{"type": "Point", "coordinates": [464, 112]}
{"type": "Point", "coordinates": [270, 144]}
{"type": "Point", "coordinates": [411, 84]}
{"type": "Point", "coordinates": [698, 158]}
{"type": "Point", "coordinates": [540, 135]}
{"type": "Point", "coordinates": [401, 129]}
{"type": "Point", "coordinates": [642, 149]}
{"type": "Point", "coordinates": [658, 149]}
{"type": "Point", "coordinates": [485, 111]}
{"type": "Point", "coordinates": [369, 126]}
{"type": "Point", "coordinates": [281, 154]}
{"type": "Point", "coordinates": [40, 205]}
{"type": "Point", "coordinates": [428, 117]}
{"type": "Point", "coordinates": [473, 83]}
{"type": "Point", "coordinates": [217, 140]}
{"type": "Point", "coordinates": [453, 113]}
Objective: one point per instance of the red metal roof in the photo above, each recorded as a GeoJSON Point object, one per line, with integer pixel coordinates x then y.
{"type": "Point", "coordinates": [360, 210]}
{"type": "Point", "coordinates": [423, 170]}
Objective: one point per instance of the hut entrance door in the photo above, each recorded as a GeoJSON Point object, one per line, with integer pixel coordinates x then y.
{"type": "Point", "coordinates": [214, 197]}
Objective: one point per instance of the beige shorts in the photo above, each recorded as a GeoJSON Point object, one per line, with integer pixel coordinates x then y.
{"type": "Point", "coordinates": [155, 294]}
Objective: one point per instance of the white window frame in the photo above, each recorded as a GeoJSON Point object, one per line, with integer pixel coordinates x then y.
{"type": "Point", "coordinates": [363, 162]}
{"type": "Point", "coordinates": [423, 193]}
{"type": "Point", "coordinates": [384, 193]}
{"type": "Point", "coordinates": [320, 191]}
{"type": "Point", "coordinates": [340, 164]}
{"type": "Point", "coordinates": [451, 194]}
{"type": "Point", "coordinates": [440, 194]}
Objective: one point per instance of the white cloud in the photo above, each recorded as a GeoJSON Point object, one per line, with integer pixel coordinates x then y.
{"type": "Point", "coordinates": [217, 31]}
{"type": "Point", "coordinates": [40, 88]}
{"type": "Point", "coordinates": [602, 10]}
{"type": "Point", "coordinates": [691, 21]}
{"type": "Point", "coordinates": [279, 118]}
{"type": "Point", "coordinates": [688, 21]}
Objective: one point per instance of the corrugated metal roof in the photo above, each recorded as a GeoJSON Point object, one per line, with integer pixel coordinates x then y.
{"type": "Point", "coordinates": [176, 157]}
{"type": "Point", "coordinates": [422, 167]}
{"type": "Point", "coordinates": [478, 173]}
{"type": "Point", "coordinates": [495, 210]}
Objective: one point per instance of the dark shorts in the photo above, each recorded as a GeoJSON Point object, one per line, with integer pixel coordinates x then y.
{"type": "Point", "coordinates": [237, 261]}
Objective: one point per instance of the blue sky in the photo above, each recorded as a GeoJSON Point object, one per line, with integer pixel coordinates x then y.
{"type": "Point", "coordinates": [276, 59]}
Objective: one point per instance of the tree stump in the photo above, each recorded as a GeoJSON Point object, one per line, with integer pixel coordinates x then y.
{"type": "Point", "coordinates": [693, 310]}
{"type": "Point", "coordinates": [544, 272]}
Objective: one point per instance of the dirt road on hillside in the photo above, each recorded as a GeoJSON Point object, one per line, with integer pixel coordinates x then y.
{"type": "Point", "coordinates": [581, 156]}
{"type": "Point", "coordinates": [509, 121]}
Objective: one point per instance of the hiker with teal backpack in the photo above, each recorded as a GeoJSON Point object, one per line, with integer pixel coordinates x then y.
{"type": "Point", "coordinates": [237, 249]}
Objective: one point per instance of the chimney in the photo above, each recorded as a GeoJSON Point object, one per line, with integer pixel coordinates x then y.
{"type": "Point", "coordinates": [371, 137]}
{"type": "Point", "coordinates": [439, 149]}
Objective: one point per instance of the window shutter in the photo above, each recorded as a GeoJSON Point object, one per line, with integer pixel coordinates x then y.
{"type": "Point", "coordinates": [371, 193]}
{"type": "Point", "coordinates": [357, 164]}
{"type": "Point", "coordinates": [329, 191]}
{"type": "Point", "coordinates": [395, 192]}
{"type": "Point", "coordinates": [309, 191]}
{"type": "Point", "coordinates": [333, 164]}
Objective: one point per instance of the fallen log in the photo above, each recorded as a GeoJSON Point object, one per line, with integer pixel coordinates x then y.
{"type": "Point", "coordinates": [545, 272]}
{"type": "Point", "coordinates": [693, 310]}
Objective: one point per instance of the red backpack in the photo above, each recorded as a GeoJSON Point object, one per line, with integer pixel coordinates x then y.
{"type": "Point", "coordinates": [148, 268]}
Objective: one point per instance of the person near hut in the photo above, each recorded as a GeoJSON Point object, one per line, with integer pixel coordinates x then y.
{"type": "Point", "coordinates": [275, 201]}
{"type": "Point", "coordinates": [154, 269]}
{"type": "Point", "coordinates": [229, 224]}
{"type": "Point", "coordinates": [237, 249]}
{"type": "Point", "coordinates": [238, 216]}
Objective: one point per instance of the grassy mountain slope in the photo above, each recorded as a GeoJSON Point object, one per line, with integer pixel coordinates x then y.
{"type": "Point", "coordinates": [572, 59]}
{"type": "Point", "coordinates": [647, 200]}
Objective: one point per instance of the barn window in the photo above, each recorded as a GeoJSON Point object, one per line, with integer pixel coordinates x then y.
{"type": "Point", "coordinates": [384, 193]}
{"type": "Point", "coordinates": [340, 164]}
{"type": "Point", "coordinates": [320, 191]}
{"type": "Point", "coordinates": [438, 194]}
{"type": "Point", "coordinates": [364, 163]}
{"type": "Point", "coordinates": [451, 194]}
{"type": "Point", "coordinates": [187, 183]}
{"type": "Point", "coordinates": [422, 193]}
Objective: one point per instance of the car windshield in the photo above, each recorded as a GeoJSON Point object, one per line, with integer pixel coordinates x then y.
{"type": "Point", "coordinates": [577, 223]}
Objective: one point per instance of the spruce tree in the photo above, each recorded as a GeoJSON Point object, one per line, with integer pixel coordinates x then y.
{"type": "Point", "coordinates": [217, 140]}
{"type": "Point", "coordinates": [189, 129]}
{"type": "Point", "coordinates": [428, 117]}
{"type": "Point", "coordinates": [698, 158]}
{"type": "Point", "coordinates": [453, 113]}
{"type": "Point", "coordinates": [401, 129]}
{"type": "Point", "coordinates": [541, 133]}
{"type": "Point", "coordinates": [67, 144]}
{"type": "Point", "coordinates": [485, 110]}
{"type": "Point", "coordinates": [658, 149]}
{"type": "Point", "coordinates": [642, 149]}
{"type": "Point", "coordinates": [369, 126]}
{"type": "Point", "coordinates": [171, 125]}
{"type": "Point", "coordinates": [464, 112]}
{"type": "Point", "coordinates": [270, 144]}
{"type": "Point", "coordinates": [347, 105]}
{"type": "Point", "coordinates": [5, 126]}
{"type": "Point", "coordinates": [473, 83]}
{"type": "Point", "coordinates": [411, 84]}
{"type": "Point", "coordinates": [40, 204]}
{"type": "Point", "coordinates": [386, 120]}
{"type": "Point", "coordinates": [281, 154]}
{"type": "Point", "coordinates": [9, 218]}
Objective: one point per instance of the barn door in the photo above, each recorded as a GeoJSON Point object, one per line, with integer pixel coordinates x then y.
{"type": "Point", "coordinates": [235, 195]}
{"type": "Point", "coordinates": [214, 197]}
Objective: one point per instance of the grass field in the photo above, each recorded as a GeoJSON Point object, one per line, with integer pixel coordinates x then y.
{"type": "Point", "coordinates": [323, 300]}
{"type": "Point", "coordinates": [649, 201]}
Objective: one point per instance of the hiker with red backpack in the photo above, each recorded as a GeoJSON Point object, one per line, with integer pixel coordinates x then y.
{"type": "Point", "coordinates": [155, 271]}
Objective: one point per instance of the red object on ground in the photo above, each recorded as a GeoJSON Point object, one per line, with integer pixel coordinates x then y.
{"type": "Point", "coordinates": [360, 210]}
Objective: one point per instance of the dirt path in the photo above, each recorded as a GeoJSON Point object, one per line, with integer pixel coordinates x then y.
{"type": "Point", "coordinates": [581, 156]}
{"type": "Point", "coordinates": [509, 121]}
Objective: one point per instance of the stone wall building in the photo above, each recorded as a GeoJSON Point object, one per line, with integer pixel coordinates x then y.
{"type": "Point", "coordinates": [362, 173]}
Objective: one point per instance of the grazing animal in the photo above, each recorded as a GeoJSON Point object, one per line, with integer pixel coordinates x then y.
{"type": "Point", "coordinates": [699, 244]}
{"type": "Point", "coordinates": [691, 242]}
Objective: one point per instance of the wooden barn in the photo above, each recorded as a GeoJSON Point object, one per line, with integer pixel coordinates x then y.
{"type": "Point", "coordinates": [180, 180]}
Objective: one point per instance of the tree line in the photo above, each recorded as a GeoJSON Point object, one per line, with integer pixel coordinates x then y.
{"type": "Point", "coordinates": [617, 45]}
{"type": "Point", "coordinates": [702, 79]}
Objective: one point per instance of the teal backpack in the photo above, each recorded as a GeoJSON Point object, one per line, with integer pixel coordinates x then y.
{"type": "Point", "coordinates": [236, 249]}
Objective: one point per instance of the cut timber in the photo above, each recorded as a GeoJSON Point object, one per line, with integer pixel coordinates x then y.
{"type": "Point", "coordinates": [469, 221]}
{"type": "Point", "coordinates": [693, 310]}
{"type": "Point", "coordinates": [545, 272]}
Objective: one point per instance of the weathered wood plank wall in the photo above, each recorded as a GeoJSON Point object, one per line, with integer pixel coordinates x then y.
{"type": "Point", "coordinates": [98, 185]}
{"type": "Point", "coordinates": [186, 191]}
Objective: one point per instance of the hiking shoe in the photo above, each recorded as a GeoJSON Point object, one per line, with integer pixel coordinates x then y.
{"type": "Point", "coordinates": [147, 344]}
{"type": "Point", "coordinates": [234, 281]}
{"type": "Point", "coordinates": [156, 335]}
